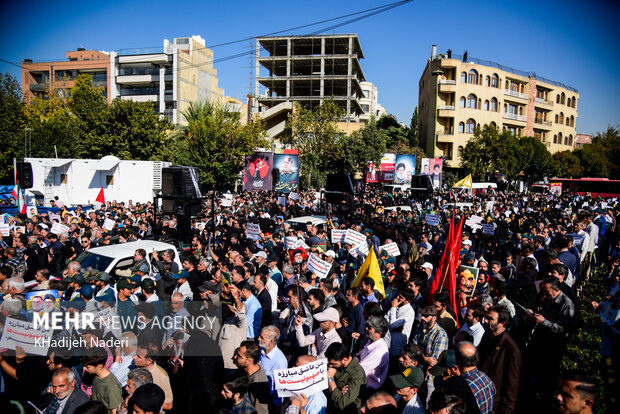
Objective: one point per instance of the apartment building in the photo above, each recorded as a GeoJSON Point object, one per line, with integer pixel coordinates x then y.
{"type": "Point", "coordinates": [41, 78]}
{"type": "Point", "coordinates": [308, 70]}
{"type": "Point", "coordinates": [172, 77]}
{"type": "Point", "coordinates": [459, 93]}
{"type": "Point", "coordinates": [370, 102]}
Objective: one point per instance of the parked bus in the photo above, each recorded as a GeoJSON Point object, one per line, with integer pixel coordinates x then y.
{"type": "Point", "coordinates": [603, 187]}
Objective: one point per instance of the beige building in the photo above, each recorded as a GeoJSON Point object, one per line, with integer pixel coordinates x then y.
{"type": "Point", "coordinates": [172, 77]}
{"type": "Point", "coordinates": [459, 93]}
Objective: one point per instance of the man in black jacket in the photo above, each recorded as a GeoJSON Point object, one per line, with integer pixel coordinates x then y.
{"type": "Point", "coordinates": [66, 396]}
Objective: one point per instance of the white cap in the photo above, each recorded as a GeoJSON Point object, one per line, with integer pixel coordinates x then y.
{"type": "Point", "coordinates": [329, 314]}
{"type": "Point", "coordinates": [261, 254]}
{"type": "Point", "coordinates": [428, 265]}
{"type": "Point", "coordinates": [330, 253]}
{"type": "Point", "coordinates": [467, 242]}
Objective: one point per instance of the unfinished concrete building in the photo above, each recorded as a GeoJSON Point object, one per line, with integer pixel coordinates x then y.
{"type": "Point", "coordinates": [309, 69]}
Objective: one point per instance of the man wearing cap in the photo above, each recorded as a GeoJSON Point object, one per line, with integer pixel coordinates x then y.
{"type": "Point", "coordinates": [432, 338]}
{"type": "Point", "coordinates": [322, 337]}
{"type": "Point", "coordinates": [407, 384]}
{"type": "Point", "coordinates": [73, 286]}
{"type": "Point", "coordinates": [182, 285]}
{"type": "Point", "coordinates": [124, 306]}
{"type": "Point", "coordinates": [260, 258]}
{"type": "Point", "coordinates": [103, 290]}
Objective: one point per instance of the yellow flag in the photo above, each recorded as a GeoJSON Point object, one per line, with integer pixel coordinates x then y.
{"type": "Point", "coordinates": [371, 269]}
{"type": "Point", "coordinates": [464, 183]}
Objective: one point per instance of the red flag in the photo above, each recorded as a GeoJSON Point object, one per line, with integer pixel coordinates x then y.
{"type": "Point", "coordinates": [439, 278]}
{"type": "Point", "coordinates": [100, 197]}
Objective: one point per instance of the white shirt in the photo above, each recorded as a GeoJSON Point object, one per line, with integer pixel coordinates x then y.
{"type": "Point", "coordinates": [184, 290]}
{"type": "Point", "coordinates": [403, 312]}
{"type": "Point", "coordinates": [272, 288]}
{"type": "Point", "coordinates": [375, 358]}
{"type": "Point", "coordinates": [477, 331]}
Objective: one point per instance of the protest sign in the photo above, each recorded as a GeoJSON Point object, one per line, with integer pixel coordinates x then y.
{"type": "Point", "coordinates": [489, 206]}
{"type": "Point", "coordinates": [33, 340]}
{"type": "Point", "coordinates": [228, 196]}
{"type": "Point", "coordinates": [58, 228]}
{"type": "Point", "coordinates": [226, 202]}
{"type": "Point", "coordinates": [362, 248]}
{"type": "Point", "coordinates": [108, 224]}
{"type": "Point", "coordinates": [338, 235]}
{"type": "Point", "coordinates": [391, 248]}
{"type": "Point", "coordinates": [307, 379]}
{"type": "Point", "coordinates": [291, 242]}
{"type": "Point", "coordinates": [293, 196]}
{"type": "Point", "coordinates": [4, 229]}
{"type": "Point", "coordinates": [488, 229]}
{"type": "Point", "coordinates": [282, 201]}
{"type": "Point", "coordinates": [318, 266]}
{"type": "Point", "coordinates": [252, 231]}
{"type": "Point", "coordinates": [432, 219]}
{"type": "Point", "coordinates": [353, 237]}
{"type": "Point", "coordinates": [467, 279]}
{"type": "Point", "coordinates": [578, 238]}
{"type": "Point", "coordinates": [54, 216]}
{"type": "Point", "coordinates": [106, 318]}
{"type": "Point", "coordinates": [476, 219]}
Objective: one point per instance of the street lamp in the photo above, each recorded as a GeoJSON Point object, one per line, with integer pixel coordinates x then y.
{"type": "Point", "coordinates": [437, 73]}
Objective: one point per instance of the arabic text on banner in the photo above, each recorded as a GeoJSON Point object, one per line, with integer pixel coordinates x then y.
{"type": "Point", "coordinates": [292, 242]}
{"type": "Point", "coordinates": [253, 231]}
{"type": "Point", "coordinates": [354, 238]}
{"type": "Point", "coordinates": [338, 235]}
{"type": "Point", "coordinates": [391, 249]}
{"type": "Point", "coordinates": [307, 379]}
{"type": "Point", "coordinates": [318, 266]}
{"type": "Point", "coordinates": [4, 229]}
{"type": "Point", "coordinates": [23, 334]}
{"type": "Point", "coordinates": [58, 228]}
{"type": "Point", "coordinates": [476, 219]}
{"type": "Point", "coordinates": [488, 229]}
{"type": "Point", "coordinates": [362, 248]}
{"type": "Point", "coordinates": [226, 202]}
{"type": "Point", "coordinates": [432, 219]}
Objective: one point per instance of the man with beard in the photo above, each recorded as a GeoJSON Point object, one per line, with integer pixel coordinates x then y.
{"type": "Point", "coordinates": [500, 359]}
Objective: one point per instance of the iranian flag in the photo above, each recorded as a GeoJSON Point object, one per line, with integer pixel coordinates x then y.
{"type": "Point", "coordinates": [21, 201]}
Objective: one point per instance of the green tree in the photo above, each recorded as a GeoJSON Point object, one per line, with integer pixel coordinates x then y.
{"type": "Point", "coordinates": [362, 146]}
{"type": "Point", "coordinates": [12, 123]}
{"type": "Point", "coordinates": [593, 161]}
{"type": "Point", "coordinates": [608, 143]}
{"type": "Point", "coordinates": [414, 129]}
{"type": "Point", "coordinates": [535, 160]}
{"type": "Point", "coordinates": [395, 132]}
{"type": "Point", "coordinates": [87, 104]}
{"type": "Point", "coordinates": [489, 150]}
{"type": "Point", "coordinates": [567, 164]}
{"type": "Point", "coordinates": [314, 132]}
{"type": "Point", "coordinates": [215, 141]}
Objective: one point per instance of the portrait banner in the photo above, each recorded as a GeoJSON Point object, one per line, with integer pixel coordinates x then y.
{"type": "Point", "coordinates": [257, 172]}
{"type": "Point", "coordinates": [288, 168]}
{"type": "Point", "coordinates": [404, 168]}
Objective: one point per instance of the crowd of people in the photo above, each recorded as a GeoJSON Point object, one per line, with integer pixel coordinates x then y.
{"type": "Point", "coordinates": [392, 342]}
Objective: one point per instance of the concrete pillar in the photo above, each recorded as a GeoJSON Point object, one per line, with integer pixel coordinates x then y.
{"type": "Point", "coordinates": [349, 76]}
{"type": "Point", "coordinates": [162, 89]}
{"type": "Point", "coordinates": [256, 74]}
{"type": "Point", "coordinates": [322, 85]}
{"type": "Point", "coordinates": [531, 110]}
{"type": "Point", "coordinates": [288, 67]}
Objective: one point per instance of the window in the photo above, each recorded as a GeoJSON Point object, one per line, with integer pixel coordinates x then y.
{"type": "Point", "coordinates": [462, 102]}
{"type": "Point", "coordinates": [493, 106]}
{"type": "Point", "coordinates": [459, 151]}
{"type": "Point", "coordinates": [572, 121]}
{"type": "Point", "coordinates": [555, 139]}
{"type": "Point", "coordinates": [561, 117]}
{"type": "Point", "coordinates": [495, 81]}
{"type": "Point", "coordinates": [486, 105]}
{"type": "Point", "coordinates": [514, 86]}
{"type": "Point", "coordinates": [570, 140]}
{"type": "Point", "coordinates": [365, 92]}
{"type": "Point", "coordinates": [109, 180]}
{"type": "Point", "coordinates": [512, 109]}
{"type": "Point", "coordinates": [470, 126]}
{"type": "Point", "coordinates": [473, 77]}
{"type": "Point", "coordinates": [471, 101]}
{"type": "Point", "coordinates": [487, 81]}
{"type": "Point", "coordinates": [563, 98]}
{"type": "Point", "coordinates": [461, 127]}
{"type": "Point", "coordinates": [557, 99]}
{"type": "Point", "coordinates": [463, 77]}
{"type": "Point", "coordinates": [560, 138]}
{"type": "Point", "coordinates": [556, 118]}
{"type": "Point", "coordinates": [493, 125]}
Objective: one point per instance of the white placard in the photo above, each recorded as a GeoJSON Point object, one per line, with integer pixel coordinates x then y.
{"type": "Point", "coordinates": [228, 196]}
{"type": "Point", "coordinates": [318, 266]}
{"type": "Point", "coordinates": [476, 219]}
{"type": "Point", "coordinates": [106, 317]}
{"type": "Point", "coordinates": [391, 248]}
{"type": "Point", "coordinates": [4, 229]}
{"type": "Point", "coordinates": [253, 231]}
{"type": "Point", "coordinates": [338, 235]}
{"type": "Point", "coordinates": [490, 205]}
{"type": "Point", "coordinates": [307, 379]}
{"type": "Point", "coordinates": [293, 196]}
{"type": "Point", "coordinates": [23, 334]}
{"type": "Point", "coordinates": [282, 201]}
{"type": "Point", "coordinates": [292, 242]}
{"type": "Point", "coordinates": [362, 248]}
{"type": "Point", "coordinates": [488, 229]}
{"type": "Point", "coordinates": [226, 202]}
{"type": "Point", "coordinates": [108, 224]}
{"type": "Point", "coordinates": [354, 238]}
{"type": "Point", "coordinates": [432, 219]}
{"type": "Point", "coordinates": [54, 216]}
{"type": "Point", "coordinates": [58, 228]}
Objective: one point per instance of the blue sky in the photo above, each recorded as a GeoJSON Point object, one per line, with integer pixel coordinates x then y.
{"type": "Point", "coordinates": [573, 42]}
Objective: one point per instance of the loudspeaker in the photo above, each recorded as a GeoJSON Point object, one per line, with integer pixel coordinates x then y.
{"type": "Point", "coordinates": [178, 182]}
{"type": "Point", "coordinates": [24, 174]}
{"type": "Point", "coordinates": [181, 207]}
{"type": "Point", "coordinates": [336, 186]}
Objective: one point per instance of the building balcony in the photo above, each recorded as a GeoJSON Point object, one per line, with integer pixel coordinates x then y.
{"type": "Point", "coordinates": [445, 111]}
{"type": "Point", "coordinates": [447, 85]}
{"type": "Point", "coordinates": [543, 102]}
{"type": "Point", "coordinates": [445, 135]}
{"type": "Point", "coordinates": [540, 123]}
{"type": "Point", "coordinates": [38, 87]}
{"type": "Point", "coordinates": [515, 94]}
{"type": "Point", "coordinates": [515, 117]}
